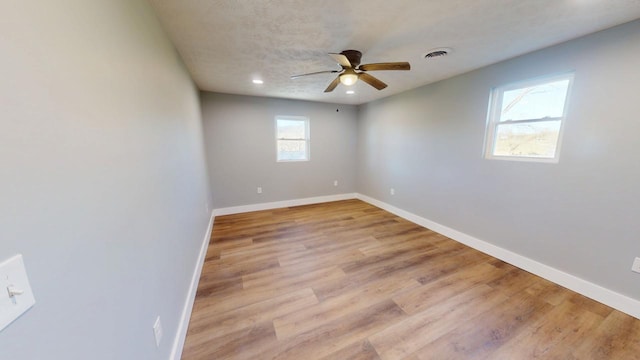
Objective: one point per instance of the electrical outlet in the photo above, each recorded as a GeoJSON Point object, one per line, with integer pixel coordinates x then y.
{"type": "Point", "coordinates": [392, 191]}
{"type": "Point", "coordinates": [335, 182]}
{"type": "Point", "coordinates": [259, 190]}
{"type": "Point", "coordinates": [157, 331]}
{"type": "Point", "coordinates": [636, 265]}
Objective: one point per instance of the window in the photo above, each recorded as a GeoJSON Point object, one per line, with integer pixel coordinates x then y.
{"type": "Point", "coordinates": [292, 138]}
{"type": "Point", "coordinates": [526, 119]}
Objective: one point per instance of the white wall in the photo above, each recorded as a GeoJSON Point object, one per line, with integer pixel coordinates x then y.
{"type": "Point", "coordinates": [241, 150]}
{"type": "Point", "coordinates": [103, 184]}
{"type": "Point", "coordinates": [579, 216]}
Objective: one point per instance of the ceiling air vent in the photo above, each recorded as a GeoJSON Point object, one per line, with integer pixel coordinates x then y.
{"type": "Point", "coordinates": [436, 53]}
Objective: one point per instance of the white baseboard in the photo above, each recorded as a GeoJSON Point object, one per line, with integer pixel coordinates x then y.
{"type": "Point", "coordinates": [183, 325]}
{"type": "Point", "coordinates": [282, 204]}
{"type": "Point", "coordinates": [596, 292]}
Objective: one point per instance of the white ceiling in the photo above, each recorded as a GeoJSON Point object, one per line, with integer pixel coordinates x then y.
{"type": "Point", "coordinates": [227, 43]}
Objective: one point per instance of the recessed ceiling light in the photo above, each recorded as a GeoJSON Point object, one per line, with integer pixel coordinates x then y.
{"type": "Point", "coordinates": [350, 92]}
{"type": "Point", "coordinates": [257, 81]}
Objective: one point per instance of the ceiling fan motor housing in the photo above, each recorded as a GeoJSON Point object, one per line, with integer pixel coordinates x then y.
{"type": "Point", "coordinates": [354, 57]}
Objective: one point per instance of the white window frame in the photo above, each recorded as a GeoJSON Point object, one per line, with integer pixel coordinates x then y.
{"type": "Point", "coordinates": [495, 107]}
{"type": "Point", "coordinates": [307, 138]}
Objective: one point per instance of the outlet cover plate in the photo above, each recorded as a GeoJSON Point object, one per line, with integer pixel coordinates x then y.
{"type": "Point", "coordinates": [636, 265]}
{"type": "Point", "coordinates": [157, 331]}
{"type": "Point", "coordinates": [13, 274]}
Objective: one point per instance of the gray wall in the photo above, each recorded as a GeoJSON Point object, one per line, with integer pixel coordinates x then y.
{"type": "Point", "coordinates": [241, 150]}
{"type": "Point", "coordinates": [580, 215]}
{"type": "Point", "coordinates": [102, 178]}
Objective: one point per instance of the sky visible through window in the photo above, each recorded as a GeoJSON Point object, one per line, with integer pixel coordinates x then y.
{"type": "Point", "coordinates": [536, 102]}
{"type": "Point", "coordinates": [292, 140]}
{"type": "Point", "coordinates": [529, 120]}
{"type": "Point", "coordinates": [291, 129]}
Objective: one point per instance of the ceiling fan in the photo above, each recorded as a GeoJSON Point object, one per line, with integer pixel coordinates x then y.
{"type": "Point", "coordinates": [351, 71]}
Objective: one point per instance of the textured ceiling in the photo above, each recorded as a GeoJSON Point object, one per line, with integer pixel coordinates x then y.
{"type": "Point", "coordinates": [227, 43]}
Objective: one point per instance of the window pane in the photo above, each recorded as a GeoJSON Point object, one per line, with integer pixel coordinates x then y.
{"type": "Point", "coordinates": [292, 150]}
{"type": "Point", "coordinates": [291, 129]}
{"type": "Point", "coordinates": [537, 139]}
{"type": "Point", "coordinates": [535, 102]}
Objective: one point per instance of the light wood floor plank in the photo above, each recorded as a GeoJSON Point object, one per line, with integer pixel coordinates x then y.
{"type": "Point", "coordinates": [617, 337]}
{"type": "Point", "coordinates": [414, 333]}
{"type": "Point", "coordinates": [436, 292]}
{"type": "Point", "coordinates": [470, 341]}
{"type": "Point", "coordinates": [358, 298]}
{"type": "Point", "coordinates": [250, 315]}
{"type": "Point", "coordinates": [359, 350]}
{"type": "Point", "coordinates": [333, 336]}
{"type": "Point", "coordinates": [553, 336]}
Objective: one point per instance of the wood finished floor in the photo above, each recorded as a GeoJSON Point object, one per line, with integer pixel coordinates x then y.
{"type": "Point", "coordinates": [346, 280]}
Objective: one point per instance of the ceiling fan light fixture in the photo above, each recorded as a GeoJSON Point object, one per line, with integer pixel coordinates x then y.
{"type": "Point", "coordinates": [348, 79]}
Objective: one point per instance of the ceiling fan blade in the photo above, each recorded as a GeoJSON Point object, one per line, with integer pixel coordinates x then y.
{"type": "Point", "coordinates": [371, 81]}
{"type": "Point", "coordinates": [341, 59]}
{"type": "Point", "coordinates": [386, 66]}
{"type": "Point", "coordinates": [333, 85]}
{"type": "Point", "coordinates": [315, 73]}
